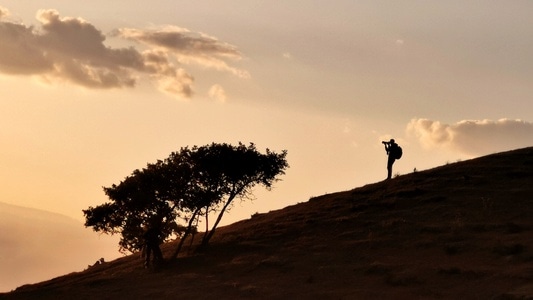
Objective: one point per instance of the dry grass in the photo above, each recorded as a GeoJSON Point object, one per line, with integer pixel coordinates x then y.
{"type": "Point", "coordinates": [460, 231]}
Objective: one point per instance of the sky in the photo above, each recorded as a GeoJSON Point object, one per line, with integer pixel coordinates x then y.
{"type": "Point", "coordinates": [89, 92]}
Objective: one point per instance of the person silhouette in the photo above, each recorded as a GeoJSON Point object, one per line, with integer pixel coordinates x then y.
{"type": "Point", "coordinates": [152, 239]}
{"type": "Point", "coordinates": [390, 147]}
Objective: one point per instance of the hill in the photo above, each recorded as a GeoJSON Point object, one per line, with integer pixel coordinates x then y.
{"type": "Point", "coordinates": [459, 231]}
{"type": "Point", "coordinates": [36, 245]}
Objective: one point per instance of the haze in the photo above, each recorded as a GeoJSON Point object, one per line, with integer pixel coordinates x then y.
{"type": "Point", "coordinates": [36, 245]}
{"type": "Point", "coordinates": [91, 92]}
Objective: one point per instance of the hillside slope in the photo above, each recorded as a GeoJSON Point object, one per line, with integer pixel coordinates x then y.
{"type": "Point", "coordinates": [460, 231]}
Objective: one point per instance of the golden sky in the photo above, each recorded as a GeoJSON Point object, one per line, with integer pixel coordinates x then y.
{"type": "Point", "coordinates": [92, 91]}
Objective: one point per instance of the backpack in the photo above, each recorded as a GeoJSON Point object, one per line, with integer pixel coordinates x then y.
{"type": "Point", "coordinates": [398, 152]}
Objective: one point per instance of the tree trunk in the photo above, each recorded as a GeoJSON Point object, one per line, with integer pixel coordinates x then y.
{"type": "Point", "coordinates": [208, 235]}
{"type": "Point", "coordinates": [187, 232]}
{"type": "Point", "coordinates": [206, 219]}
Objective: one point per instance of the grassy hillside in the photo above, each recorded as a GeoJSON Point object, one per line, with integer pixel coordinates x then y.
{"type": "Point", "coordinates": [460, 231]}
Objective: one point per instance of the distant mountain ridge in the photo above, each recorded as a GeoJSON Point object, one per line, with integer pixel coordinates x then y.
{"type": "Point", "coordinates": [37, 244]}
{"type": "Point", "coordinates": [459, 231]}
{"type": "Point", "coordinates": [21, 212]}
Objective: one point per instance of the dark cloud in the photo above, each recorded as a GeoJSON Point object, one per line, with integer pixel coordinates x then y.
{"type": "Point", "coordinates": [20, 52]}
{"type": "Point", "coordinates": [68, 49]}
{"type": "Point", "coordinates": [180, 40]}
{"type": "Point", "coordinates": [474, 137]}
{"type": "Point", "coordinates": [187, 46]}
{"type": "Point", "coordinates": [73, 50]}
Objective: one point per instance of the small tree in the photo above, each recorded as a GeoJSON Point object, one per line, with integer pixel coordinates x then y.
{"type": "Point", "coordinates": [140, 200]}
{"type": "Point", "coordinates": [188, 184]}
{"type": "Point", "coordinates": [222, 173]}
{"type": "Point", "coordinates": [232, 171]}
{"type": "Point", "coordinates": [198, 195]}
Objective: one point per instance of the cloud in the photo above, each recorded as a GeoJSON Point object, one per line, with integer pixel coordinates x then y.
{"type": "Point", "coordinates": [287, 55]}
{"type": "Point", "coordinates": [3, 12]}
{"type": "Point", "coordinates": [473, 137]}
{"type": "Point", "coordinates": [178, 84]}
{"type": "Point", "coordinates": [180, 41]}
{"type": "Point", "coordinates": [187, 46]}
{"type": "Point", "coordinates": [64, 49]}
{"type": "Point", "coordinates": [217, 93]}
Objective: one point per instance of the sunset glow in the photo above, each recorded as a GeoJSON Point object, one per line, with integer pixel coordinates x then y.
{"type": "Point", "coordinates": [93, 91]}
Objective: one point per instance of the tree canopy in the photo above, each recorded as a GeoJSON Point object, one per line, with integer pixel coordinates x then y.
{"type": "Point", "coordinates": [190, 183]}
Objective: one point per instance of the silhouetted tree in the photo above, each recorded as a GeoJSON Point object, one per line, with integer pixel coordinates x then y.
{"type": "Point", "coordinates": [142, 199]}
{"type": "Point", "coordinates": [231, 172]}
{"type": "Point", "coordinates": [188, 184]}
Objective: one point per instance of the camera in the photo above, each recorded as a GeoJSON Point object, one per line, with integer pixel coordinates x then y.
{"type": "Point", "coordinates": [384, 143]}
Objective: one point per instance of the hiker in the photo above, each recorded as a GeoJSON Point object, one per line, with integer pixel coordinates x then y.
{"type": "Point", "coordinates": [152, 239]}
{"type": "Point", "coordinates": [394, 152]}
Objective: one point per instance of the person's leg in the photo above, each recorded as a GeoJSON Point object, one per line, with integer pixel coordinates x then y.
{"type": "Point", "coordinates": [147, 258]}
{"type": "Point", "coordinates": [389, 168]}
